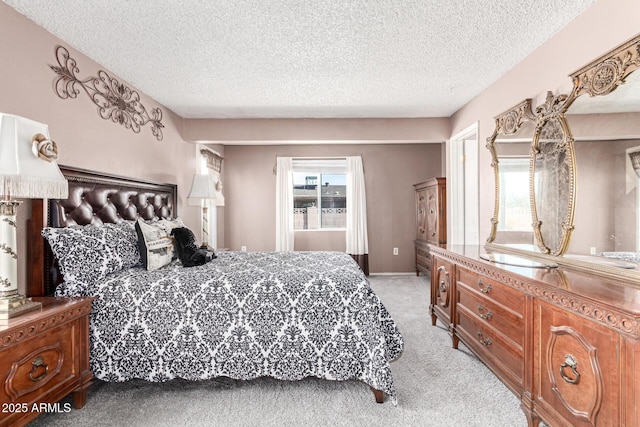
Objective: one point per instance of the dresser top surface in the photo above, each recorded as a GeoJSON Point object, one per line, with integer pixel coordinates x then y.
{"type": "Point", "coordinates": [50, 307]}
{"type": "Point", "coordinates": [614, 293]}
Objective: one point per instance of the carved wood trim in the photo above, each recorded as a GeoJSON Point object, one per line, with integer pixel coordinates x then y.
{"type": "Point", "coordinates": [606, 316]}
{"type": "Point", "coordinates": [9, 382]}
{"type": "Point", "coordinates": [444, 286]}
{"type": "Point", "coordinates": [605, 74]}
{"type": "Point", "coordinates": [590, 415]}
{"type": "Point", "coordinates": [15, 335]}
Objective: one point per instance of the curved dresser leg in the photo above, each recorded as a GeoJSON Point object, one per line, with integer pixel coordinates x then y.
{"type": "Point", "coordinates": [532, 419]}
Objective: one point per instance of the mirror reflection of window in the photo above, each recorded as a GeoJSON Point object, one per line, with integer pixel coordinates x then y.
{"type": "Point", "coordinates": [515, 206]}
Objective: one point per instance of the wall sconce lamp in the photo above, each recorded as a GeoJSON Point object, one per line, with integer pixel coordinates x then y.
{"type": "Point", "coordinates": [203, 188]}
{"type": "Point", "coordinates": [635, 162]}
{"type": "Point", "coordinates": [28, 169]}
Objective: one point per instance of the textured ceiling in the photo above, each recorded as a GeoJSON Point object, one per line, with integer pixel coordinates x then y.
{"type": "Point", "coordinates": [306, 58]}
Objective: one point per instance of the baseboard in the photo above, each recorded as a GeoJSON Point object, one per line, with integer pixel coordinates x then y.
{"type": "Point", "coordinates": [393, 274]}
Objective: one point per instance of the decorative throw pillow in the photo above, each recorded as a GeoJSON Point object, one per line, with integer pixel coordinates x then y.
{"type": "Point", "coordinates": [154, 241]}
{"type": "Point", "coordinates": [188, 252]}
{"type": "Point", "coordinates": [86, 254]}
{"type": "Point", "coordinates": [167, 224]}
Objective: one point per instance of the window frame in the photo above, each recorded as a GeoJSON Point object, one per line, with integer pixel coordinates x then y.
{"type": "Point", "coordinates": [318, 168]}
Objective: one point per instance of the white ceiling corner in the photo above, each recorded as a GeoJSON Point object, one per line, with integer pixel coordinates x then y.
{"type": "Point", "coordinates": [306, 59]}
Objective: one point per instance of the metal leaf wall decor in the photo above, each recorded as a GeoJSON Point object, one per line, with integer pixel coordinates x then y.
{"type": "Point", "coordinates": [115, 101]}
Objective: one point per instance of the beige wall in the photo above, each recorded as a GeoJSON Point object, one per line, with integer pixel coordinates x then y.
{"type": "Point", "coordinates": [606, 194]}
{"type": "Point", "coordinates": [606, 200]}
{"type": "Point", "coordinates": [390, 172]}
{"type": "Point", "coordinates": [600, 28]}
{"type": "Point", "coordinates": [84, 139]}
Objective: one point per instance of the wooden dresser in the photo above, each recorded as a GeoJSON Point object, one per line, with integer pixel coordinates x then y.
{"type": "Point", "coordinates": [567, 343]}
{"type": "Point", "coordinates": [44, 356]}
{"type": "Point", "coordinates": [431, 220]}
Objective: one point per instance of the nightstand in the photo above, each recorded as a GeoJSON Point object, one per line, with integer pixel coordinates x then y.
{"type": "Point", "coordinates": [44, 356]}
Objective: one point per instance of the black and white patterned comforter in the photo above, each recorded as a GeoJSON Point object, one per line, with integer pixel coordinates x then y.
{"type": "Point", "coordinates": [287, 315]}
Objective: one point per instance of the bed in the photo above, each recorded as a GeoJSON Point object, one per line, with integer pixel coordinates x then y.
{"type": "Point", "coordinates": [243, 315]}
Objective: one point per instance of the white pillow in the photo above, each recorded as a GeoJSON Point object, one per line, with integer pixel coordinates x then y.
{"type": "Point", "coordinates": [155, 242]}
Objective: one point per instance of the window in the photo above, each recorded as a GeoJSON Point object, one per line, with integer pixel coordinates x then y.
{"type": "Point", "coordinates": [515, 205]}
{"type": "Point", "coordinates": [319, 194]}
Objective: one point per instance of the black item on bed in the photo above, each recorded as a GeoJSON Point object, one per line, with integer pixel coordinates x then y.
{"type": "Point", "coordinates": [189, 253]}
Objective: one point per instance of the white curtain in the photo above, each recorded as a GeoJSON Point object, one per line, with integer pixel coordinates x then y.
{"type": "Point", "coordinates": [284, 204]}
{"type": "Point", "coordinates": [207, 167]}
{"type": "Point", "coordinates": [356, 235]}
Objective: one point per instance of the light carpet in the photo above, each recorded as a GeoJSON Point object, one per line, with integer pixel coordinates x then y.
{"type": "Point", "coordinates": [436, 385]}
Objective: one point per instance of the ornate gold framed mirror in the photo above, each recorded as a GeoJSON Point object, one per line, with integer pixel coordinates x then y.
{"type": "Point", "coordinates": [552, 177]}
{"type": "Point", "coordinates": [509, 146]}
{"type": "Point", "coordinates": [591, 223]}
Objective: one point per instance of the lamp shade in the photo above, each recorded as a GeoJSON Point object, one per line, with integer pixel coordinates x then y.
{"type": "Point", "coordinates": [202, 187]}
{"type": "Point", "coordinates": [28, 167]}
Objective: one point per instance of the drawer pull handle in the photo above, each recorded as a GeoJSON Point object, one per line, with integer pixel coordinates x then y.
{"type": "Point", "coordinates": [432, 211]}
{"type": "Point", "coordinates": [484, 316]}
{"type": "Point", "coordinates": [433, 234]}
{"type": "Point", "coordinates": [422, 230]}
{"type": "Point", "coordinates": [570, 362]}
{"type": "Point", "coordinates": [37, 363]}
{"type": "Point", "coordinates": [443, 286]}
{"type": "Point", "coordinates": [484, 342]}
{"type": "Point", "coordinates": [483, 289]}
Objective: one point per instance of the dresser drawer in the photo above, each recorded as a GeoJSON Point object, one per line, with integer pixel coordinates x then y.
{"type": "Point", "coordinates": [577, 368]}
{"type": "Point", "coordinates": [503, 319]}
{"type": "Point", "coordinates": [423, 259]}
{"type": "Point", "coordinates": [38, 366]}
{"type": "Point", "coordinates": [491, 344]}
{"type": "Point", "coordinates": [423, 264]}
{"type": "Point", "coordinates": [422, 253]}
{"type": "Point", "coordinates": [496, 291]}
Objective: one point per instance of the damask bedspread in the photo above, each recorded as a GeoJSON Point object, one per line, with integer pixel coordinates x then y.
{"type": "Point", "coordinates": [287, 315]}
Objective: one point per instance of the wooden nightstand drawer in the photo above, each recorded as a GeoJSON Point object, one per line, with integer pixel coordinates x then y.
{"type": "Point", "coordinates": [44, 356]}
{"type": "Point", "coordinates": [44, 360]}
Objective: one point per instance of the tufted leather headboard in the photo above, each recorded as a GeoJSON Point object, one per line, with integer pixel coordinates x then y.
{"type": "Point", "coordinates": [94, 198]}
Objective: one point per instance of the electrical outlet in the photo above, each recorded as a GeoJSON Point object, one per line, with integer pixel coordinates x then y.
{"type": "Point", "coordinates": [593, 250]}
{"type": "Point", "coordinates": [243, 248]}
{"type": "Point", "coordinates": [395, 251]}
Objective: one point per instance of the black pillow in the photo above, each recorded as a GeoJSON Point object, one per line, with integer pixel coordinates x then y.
{"type": "Point", "coordinates": [189, 253]}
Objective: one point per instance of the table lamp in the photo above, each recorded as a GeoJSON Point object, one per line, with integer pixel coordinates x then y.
{"type": "Point", "coordinates": [28, 169]}
{"type": "Point", "coordinates": [203, 187]}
